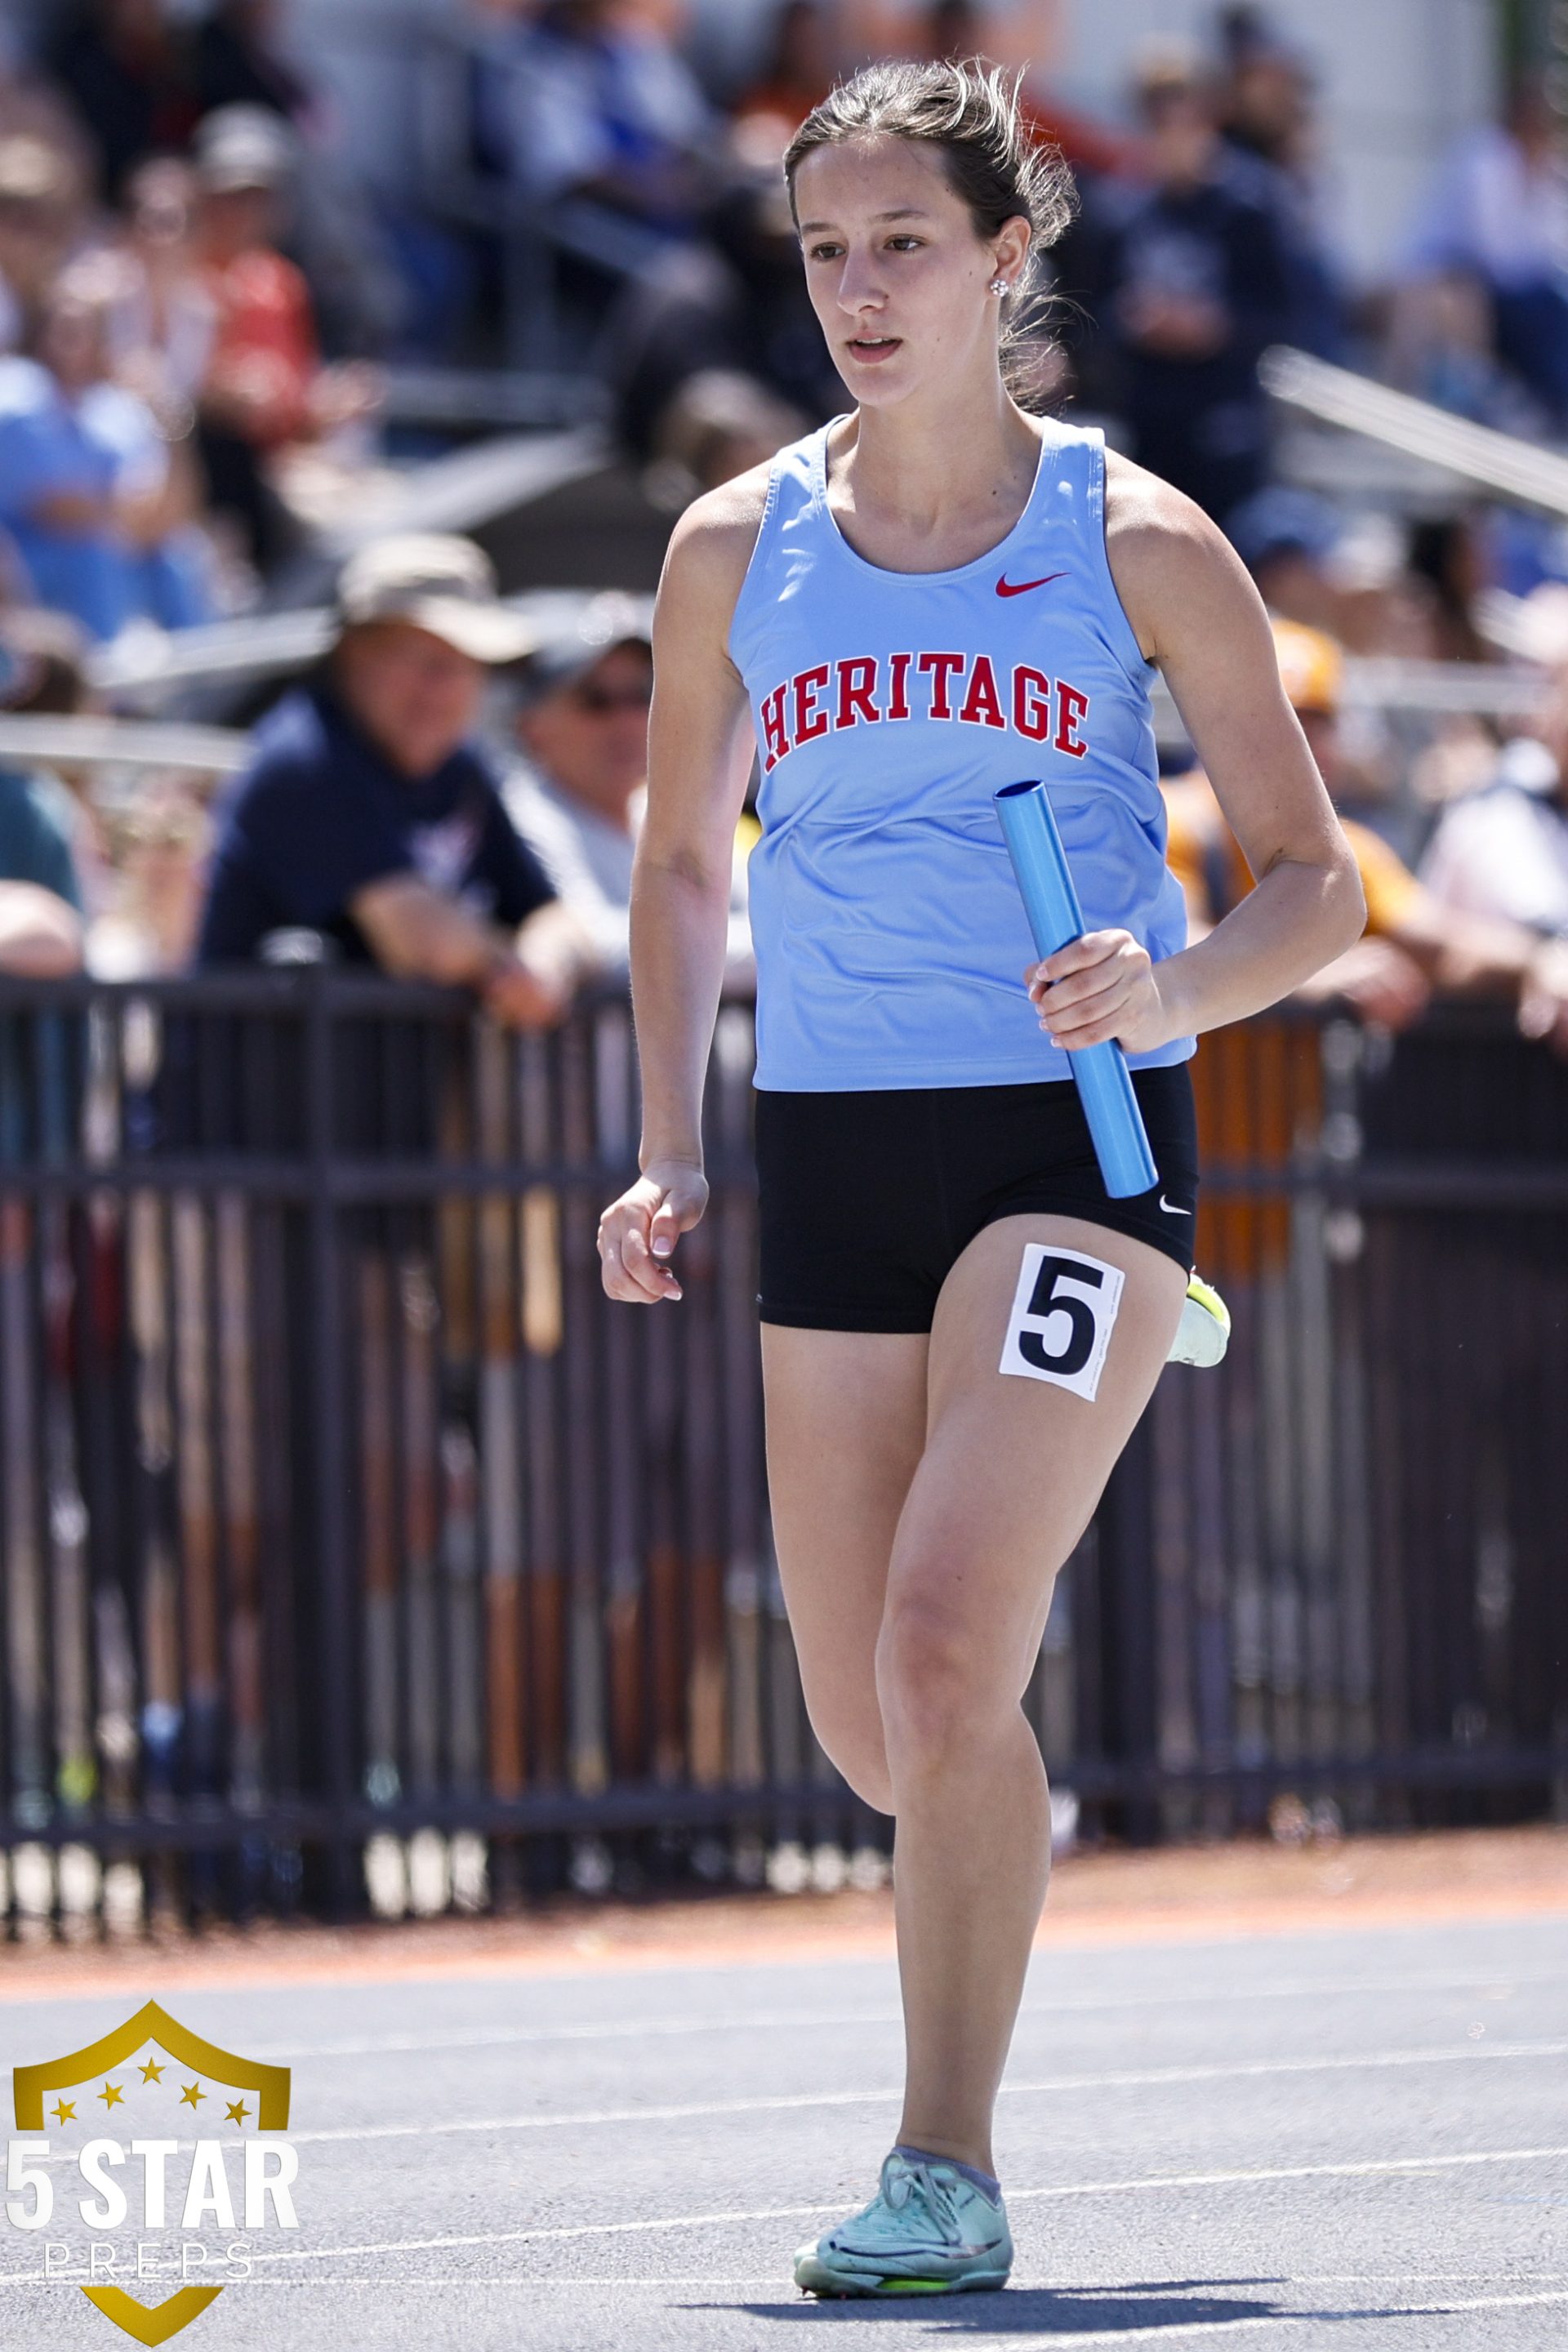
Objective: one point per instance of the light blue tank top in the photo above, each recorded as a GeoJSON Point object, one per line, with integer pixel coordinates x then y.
{"type": "Point", "coordinates": [888, 706]}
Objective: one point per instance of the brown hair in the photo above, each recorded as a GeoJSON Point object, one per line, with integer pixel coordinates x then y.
{"type": "Point", "coordinates": [969, 111]}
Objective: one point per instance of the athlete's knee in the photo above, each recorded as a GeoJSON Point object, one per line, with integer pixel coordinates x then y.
{"type": "Point", "coordinates": [934, 1676]}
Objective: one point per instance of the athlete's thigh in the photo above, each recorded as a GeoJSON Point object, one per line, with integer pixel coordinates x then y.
{"type": "Point", "coordinates": [846, 1416]}
{"type": "Point", "coordinates": [1013, 1464]}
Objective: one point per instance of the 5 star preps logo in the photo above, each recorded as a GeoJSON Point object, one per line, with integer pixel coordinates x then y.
{"type": "Point", "coordinates": [144, 2206]}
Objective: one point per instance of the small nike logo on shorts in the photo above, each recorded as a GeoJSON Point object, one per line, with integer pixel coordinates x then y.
{"type": "Point", "coordinates": [1005, 587]}
{"type": "Point", "coordinates": [1171, 1210]}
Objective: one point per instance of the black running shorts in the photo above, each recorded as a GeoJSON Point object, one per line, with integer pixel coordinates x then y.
{"type": "Point", "coordinates": [867, 1199]}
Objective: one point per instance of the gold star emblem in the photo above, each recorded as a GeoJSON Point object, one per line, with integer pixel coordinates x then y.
{"type": "Point", "coordinates": [239, 2112]}
{"type": "Point", "coordinates": [111, 2095]}
{"type": "Point", "coordinates": [192, 2094]}
{"type": "Point", "coordinates": [65, 2111]}
{"type": "Point", "coordinates": [151, 2072]}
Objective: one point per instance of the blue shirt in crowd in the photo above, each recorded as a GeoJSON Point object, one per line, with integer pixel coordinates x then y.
{"type": "Point", "coordinates": [320, 812]}
{"type": "Point", "coordinates": [102, 444]}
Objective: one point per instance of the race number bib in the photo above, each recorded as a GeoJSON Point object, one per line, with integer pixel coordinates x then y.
{"type": "Point", "coordinates": [1063, 1313]}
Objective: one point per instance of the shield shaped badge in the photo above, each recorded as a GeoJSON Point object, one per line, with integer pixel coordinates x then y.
{"type": "Point", "coordinates": [152, 2028]}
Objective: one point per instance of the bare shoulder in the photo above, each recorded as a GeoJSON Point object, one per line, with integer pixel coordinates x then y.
{"type": "Point", "coordinates": [1174, 570]}
{"type": "Point", "coordinates": [709, 551]}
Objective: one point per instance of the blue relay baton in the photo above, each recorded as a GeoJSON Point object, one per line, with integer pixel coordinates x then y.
{"type": "Point", "coordinates": [1104, 1085]}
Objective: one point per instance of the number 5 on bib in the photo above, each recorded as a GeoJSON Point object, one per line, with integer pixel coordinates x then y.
{"type": "Point", "coordinates": [1062, 1316]}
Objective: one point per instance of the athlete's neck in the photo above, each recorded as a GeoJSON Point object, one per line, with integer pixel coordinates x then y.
{"type": "Point", "coordinates": [928, 473]}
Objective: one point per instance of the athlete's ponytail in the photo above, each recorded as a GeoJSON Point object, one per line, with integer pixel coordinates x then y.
{"type": "Point", "coordinates": [993, 165]}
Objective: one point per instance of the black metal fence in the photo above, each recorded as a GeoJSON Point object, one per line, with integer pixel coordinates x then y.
{"type": "Point", "coordinates": [357, 1550]}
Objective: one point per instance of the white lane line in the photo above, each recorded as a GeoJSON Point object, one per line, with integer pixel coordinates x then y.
{"type": "Point", "coordinates": [449, 2279]}
{"type": "Point", "coordinates": [1389, 2278]}
{"type": "Point", "coordinates": [1161, 2183]}
{"type": "Point", "coordinates": [1122, 2079]}
{"type": "Point", "coordinates": [1489, 1984]}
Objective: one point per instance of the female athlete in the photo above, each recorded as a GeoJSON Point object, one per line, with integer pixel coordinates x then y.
{"type": "Point", "coordinates": [935, 594]}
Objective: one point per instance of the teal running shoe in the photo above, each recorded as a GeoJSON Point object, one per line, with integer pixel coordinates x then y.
{"type": "Point", "coordinates": [1203, 1335]}
{"type": "Point", "coordinates": [927, 2231]}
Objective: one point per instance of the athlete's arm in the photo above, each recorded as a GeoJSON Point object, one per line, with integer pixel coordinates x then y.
{"type": "Point", "coordinates": [1197, 614]}
{"type": "Point", "coordinates": [699, 755]}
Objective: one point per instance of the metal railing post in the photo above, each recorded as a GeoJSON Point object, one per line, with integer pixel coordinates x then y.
{"type": "Point", "coordinates": [333, 1615]}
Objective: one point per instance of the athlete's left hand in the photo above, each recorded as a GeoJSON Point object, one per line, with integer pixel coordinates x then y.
{"type": "Point", "coordinates": [1101, 986]}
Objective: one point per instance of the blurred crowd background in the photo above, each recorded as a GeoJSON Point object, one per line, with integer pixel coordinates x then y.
{"type": "Point", "coordinates": [279, 282]}
{"type": "Point", "coordinates": [357, 358]}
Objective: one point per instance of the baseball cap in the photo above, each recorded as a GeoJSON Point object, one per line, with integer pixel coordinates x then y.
{"type": "Point", "coordinates": [240, 147]}
{"type": "Point", "coordinates": [1282, 520]}
{"type": "Point", "coordinates": [569, 651]}
{"type": "Point", "coordinates": [1312, 667]}
{"type": "Point", "coordinates": [34, 171]}
{"type": "Point", "coordinates": [438, 583]}
{"type": "Point", "coordinates": [1168, 68]}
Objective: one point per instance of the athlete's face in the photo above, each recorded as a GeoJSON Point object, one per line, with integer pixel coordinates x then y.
{"type": "Point", "coordinates": [897, 277]}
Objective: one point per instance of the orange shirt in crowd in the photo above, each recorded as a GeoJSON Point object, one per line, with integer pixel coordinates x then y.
{"type": "Point", "coordinates": [1206, 857]}
{"type": "Point", "coordinates": [1257, 1084]}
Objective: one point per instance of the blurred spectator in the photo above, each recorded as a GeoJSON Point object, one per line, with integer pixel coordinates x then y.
{"type": "Point", "coordinates": [949, 30]}
{"type": "Point", "coordinates": [40, 889]}
{"type": "Point", "coordinates": [1499, 214]}
{"type": "Point", "coordinates": [1448, 556]}
{"type": "Point", "coordinates": [366, 815]}
{"type": "Point", "coordinates": [1286, 537]}
{"type": "Point", "coordinates": [1265, 101]}
{"type": "Point", "coordinates": [40, 926]}
{"type": "Point", "coordinates": [736, 306]}
{"type": "Point", "coordinates": [127, 67]}
{"type": "Point", "coordinates": [134, 846]}
{"type": "Point", "coordinates": [586, 100]}
{"type": "Point", "coordinates": [1438, 345]}
{"type": "Point", "coordinates": [98, 504]}
{"type": "Point", "coordinates": [50, 653]}
{"type": "Point", "coordinates": [1413, 944]}
{"type": "Point", "coordinates": [163, 318]}
{"type": "Point", "coordinates": [264, 387]}
{"type": "Point", "coordinates": [238, 61]}
{"type": "Point", "coordinates": [1385, 607]}
{"type": "Point", "coordinates": [718, 424]}
{"type": "Point", "coordinates": [956, 30]}
{"type": "Point", "coordinates": [1378, 585]}
{"type": "Point", "coordinates": [1194, 286]}
{"type": "Point", "coordinates": [152, 903]}
{"type": "Point", "coordinates": [1503, 851]}
{"type": "Point", "coordinates": [796, 75]}
{"type": "Point", "coordinates": [1268, 115]}
{"type": "Point", "coordinates": [581, 725]}
{"type": "Point", "coordinates": [41, 215]}
{"type": "Point", "coordinates": [43, 658]}
{"type": "Point", "coordinates": [32, 105]}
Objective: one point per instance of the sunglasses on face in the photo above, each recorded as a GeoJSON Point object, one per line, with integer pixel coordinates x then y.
{"type": "Point", "coordinates": [600, 699]}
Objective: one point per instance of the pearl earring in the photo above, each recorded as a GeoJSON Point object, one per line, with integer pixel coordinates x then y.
{"type": "Point", "coordinates": [999, 285]}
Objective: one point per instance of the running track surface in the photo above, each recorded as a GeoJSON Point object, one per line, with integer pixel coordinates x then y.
{"type": "Point", "coordinates": [1340, 2138]}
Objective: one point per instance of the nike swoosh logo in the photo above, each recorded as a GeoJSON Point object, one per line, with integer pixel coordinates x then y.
{"type": "Point", "coordinates": [1171, 1211]}
{"type": "Point", "coordinates": [1005, 587]}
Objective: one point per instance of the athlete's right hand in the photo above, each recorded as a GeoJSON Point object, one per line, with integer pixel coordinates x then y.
{"type": "Point", "coordinates": [640, 1231]}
